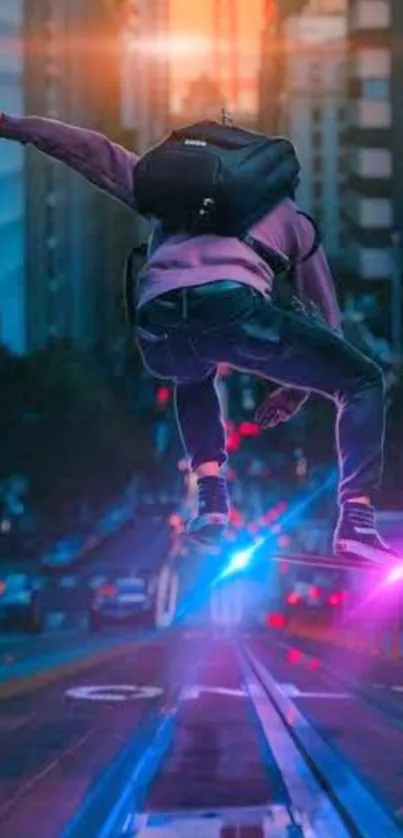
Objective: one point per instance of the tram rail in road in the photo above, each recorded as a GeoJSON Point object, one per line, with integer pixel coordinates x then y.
{"type": "Point", "coordinates": [302, 788]}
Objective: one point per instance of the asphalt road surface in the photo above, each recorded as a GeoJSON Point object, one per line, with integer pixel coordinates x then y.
{"type": "Point", "coordinates": [57, 741]}
{"type": "Point", "coordinates": [355, 702]}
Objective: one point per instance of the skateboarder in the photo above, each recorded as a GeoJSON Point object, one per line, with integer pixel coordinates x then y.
{"type": "Point", "coordinates": [209, 297]}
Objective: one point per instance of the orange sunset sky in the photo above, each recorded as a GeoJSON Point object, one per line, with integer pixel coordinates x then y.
{"type": "Point", "coordinates": [195, 18]}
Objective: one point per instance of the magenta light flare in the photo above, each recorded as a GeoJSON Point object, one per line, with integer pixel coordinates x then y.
{"type": "Point", "coordinates": [395, 575]}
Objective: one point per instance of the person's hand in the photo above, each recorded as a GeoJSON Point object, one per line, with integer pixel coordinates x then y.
{"type": "Point", "coordinates": [280, 406]}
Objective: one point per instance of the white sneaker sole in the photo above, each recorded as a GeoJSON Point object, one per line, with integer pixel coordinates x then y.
{"type": "Point", "coordinates": [363, 551]}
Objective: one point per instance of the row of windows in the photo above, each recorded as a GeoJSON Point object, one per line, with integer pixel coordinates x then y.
{"type": "Point", "coordinates": [12, 245]}
{"type": "Point", "coordinates": [318, 190]}
{"type": "Point", "coordinates": [11, 93]}
{"type": "Point", "coordinates": [318, 114]}
{"type": "Point", "coordinates": [318, 160]}
{"type": "Point", "coordinates": [12, 194]}
{"type": "Point", "coordinates": [11, 15]}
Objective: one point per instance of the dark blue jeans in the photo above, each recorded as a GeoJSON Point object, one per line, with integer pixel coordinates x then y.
{"type": "Point", "coordinates": [184, 335]}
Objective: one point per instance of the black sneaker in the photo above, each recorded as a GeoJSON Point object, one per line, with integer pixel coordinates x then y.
{"type": "Point", "coordinates": [211, 522]}
{"type": "Point", "coordinates": [357, 539]}
{"type": "Point", "coordinates": [207, 530]}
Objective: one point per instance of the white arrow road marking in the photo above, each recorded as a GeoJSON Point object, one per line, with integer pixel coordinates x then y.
{"type": "Point", "coordinates": [196, 691]}
{"type": "Point", "coordinates": [114, 692]}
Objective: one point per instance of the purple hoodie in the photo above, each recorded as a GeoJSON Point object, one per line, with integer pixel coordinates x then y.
{"type": "Point", "coordinates": [184, 260]}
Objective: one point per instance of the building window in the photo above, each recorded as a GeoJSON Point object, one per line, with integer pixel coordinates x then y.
{"type": "Point", "coordinates": [316, 72]}
{"type": "Point", "coordinates": [316, 115]}
{"type": "Point", "coordinates": [343, 240]}
{"type": "Point", "coordinates": [316, 139]}
{"type": "Point", "coordinates": [51, 264]}
{"type": "Point", "coordinates": [49, 221]}
{"type": "Point", "coordinates": [317, 164]}
{"type": "Point", "coordinates": [317, 191]}
{"type": "Point", "coordinates": [375, 89]}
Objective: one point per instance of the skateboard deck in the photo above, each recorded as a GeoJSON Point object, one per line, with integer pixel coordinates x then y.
{"type": "Point", "coordinates": [304, 559]}
{"type": "Point", "coordinates": [330, 562]}
{"type": "Point", "coordinates": [223, 550]}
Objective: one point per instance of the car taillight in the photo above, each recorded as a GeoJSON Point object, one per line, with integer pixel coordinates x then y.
{"type": "Point", "coordinates": [293, 599]}
{"type": "Point", "coordinates": [107, 591]}
{"type": "Point", "coordinates": [335, 599]}
{"type": "Point", "coordinates": [2, 587]}
{"type": "Point", "coordinates": [276, 621]}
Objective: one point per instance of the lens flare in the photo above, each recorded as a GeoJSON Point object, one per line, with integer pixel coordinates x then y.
{"type": "Point", "coordinates": [396, 575]}
{"type": "Point", "coordinates": [242, 559]}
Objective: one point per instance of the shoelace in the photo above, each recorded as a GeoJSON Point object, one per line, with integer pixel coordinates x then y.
{"type": "Point", "coordinates": [360, 517]}
{"type": "Point", "coordinates": [213, 495]}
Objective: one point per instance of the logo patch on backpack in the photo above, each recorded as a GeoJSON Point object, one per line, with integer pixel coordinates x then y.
{"type": "Point", "coordinates": [195, 142]}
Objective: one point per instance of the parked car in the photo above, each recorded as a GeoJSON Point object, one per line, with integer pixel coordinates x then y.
{"type": "Point", "coordinates": [124, 598]}
{"type": "Point", "coordinates": [316, 592]}
{"type": "Point", "coordinates": [19, 603]}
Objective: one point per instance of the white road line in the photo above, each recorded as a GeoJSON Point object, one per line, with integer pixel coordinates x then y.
{"type": "Point", "coordinates": [369, 817]}
{"type": "Point", "coordinates": [292, 691]}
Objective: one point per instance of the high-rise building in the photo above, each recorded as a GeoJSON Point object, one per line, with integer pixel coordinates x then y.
{"type": "Point", "coordinates": [145, 79]}
{"type": "Point", "coordinates": [374, 195]}
{"type": "Point", "coordinates": [226, 64]}
{"type": "Point", "coordinates": [271, 77]}
{"type": "Point", "coordinates": [71, 75]}
{"type": "Point", "coordinates": [12, 187]}
{"type": "Point", "coordinates": [314, 113]}
{"type": "Point", "coordinates": [302, 93]}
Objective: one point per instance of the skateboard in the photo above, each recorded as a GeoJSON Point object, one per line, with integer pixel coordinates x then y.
{"type": "Point", "coordinates": [330, 562]}
{"type": "Point", "coordinates": [304, 559]}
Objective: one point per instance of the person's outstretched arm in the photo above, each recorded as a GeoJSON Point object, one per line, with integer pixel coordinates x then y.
{"type": "Point", "coordinates": [107, 165]}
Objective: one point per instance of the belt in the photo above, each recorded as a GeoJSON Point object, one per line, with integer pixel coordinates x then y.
{"type": "Point", "coordinates": [208, 289]}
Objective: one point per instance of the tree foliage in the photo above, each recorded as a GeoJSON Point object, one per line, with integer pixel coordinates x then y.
{"type": "Point", "coordinates": [64, 426]}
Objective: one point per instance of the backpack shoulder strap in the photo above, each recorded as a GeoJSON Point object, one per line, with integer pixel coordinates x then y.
{"type": "Point", "coordinates": [130, 285]}
{"type": "Point", "coordinates": [278, 262]}
{"type": "Point", "coordinates": [316, 242]}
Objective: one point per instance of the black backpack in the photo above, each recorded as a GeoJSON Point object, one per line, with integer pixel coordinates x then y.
{"type": "Point", "coordinates": [215, 178]}
{"type": "Point", "coordinates": [210, 177]}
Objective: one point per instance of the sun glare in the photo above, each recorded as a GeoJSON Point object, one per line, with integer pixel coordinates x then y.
{"type": "Point", "coordinates": [173, 46]}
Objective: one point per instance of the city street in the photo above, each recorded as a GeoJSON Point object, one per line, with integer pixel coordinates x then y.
{"type": "Point", "coordinates": [69, 748]}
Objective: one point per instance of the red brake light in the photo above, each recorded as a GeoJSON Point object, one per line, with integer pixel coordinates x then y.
{"type": "Point", "coordinates": [163, 395]}
{"type": "Point", "coordinates": [293, 599]}
{"type": "Point", "coordinates": [107, 590]}
{"type": "Point", "coordinates": [294, 656]}
{"type": "Point", "coordinates": [276, 621]}
{"type": "Point", "coordinates": [314, 592]}
{"type": "Point", "coordinates": [233, 442]}
{"type": "Point", "coordinates": [335, 599]}
{"type": "Point", "coordinates": [249, 429]}
{"type": "Point", "coordinates": [2, 587]}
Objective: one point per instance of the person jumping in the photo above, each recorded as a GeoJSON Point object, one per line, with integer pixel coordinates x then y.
{"type": "Point", "coordinates": [236, 275]}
